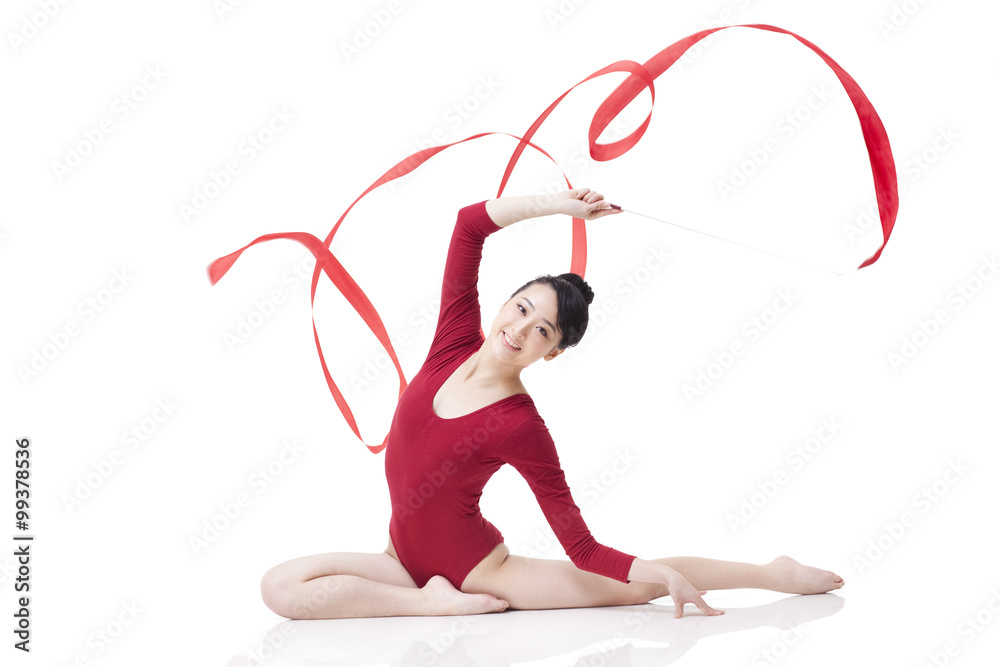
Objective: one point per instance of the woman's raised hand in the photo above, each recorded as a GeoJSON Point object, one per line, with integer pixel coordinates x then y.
{"type": "Point", "coordinates": [585, 203]}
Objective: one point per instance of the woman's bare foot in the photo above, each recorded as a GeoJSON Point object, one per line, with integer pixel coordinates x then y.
{"type": "Point", "coordinates": [446, 600]}
{"type": "Point", "coordinates": [791, 576]}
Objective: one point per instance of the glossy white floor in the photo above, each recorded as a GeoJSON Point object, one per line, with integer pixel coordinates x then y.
{"type": "Point", "coordinates": [637, 635]}
{"type": "Point", "coordinates": [723, 403]}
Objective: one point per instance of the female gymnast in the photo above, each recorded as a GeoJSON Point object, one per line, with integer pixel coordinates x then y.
{"type": "Point", "coordinates": [462, 416]}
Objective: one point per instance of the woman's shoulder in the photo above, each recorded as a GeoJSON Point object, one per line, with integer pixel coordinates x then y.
{"type": "Point", "coordinates": [525, 414]}
{"type": "Point", "coordinates": [509, 413]}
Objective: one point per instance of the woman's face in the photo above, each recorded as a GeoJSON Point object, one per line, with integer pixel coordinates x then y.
{"type": "Point", "coordinates": [528, 319]}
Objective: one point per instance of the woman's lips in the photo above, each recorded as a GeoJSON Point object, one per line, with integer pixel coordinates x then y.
{"type": "Point", "coordinates": [503, 339]}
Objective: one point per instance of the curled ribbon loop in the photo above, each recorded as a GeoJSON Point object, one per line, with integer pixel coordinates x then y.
{"type": "Point", "coordinates": [342, 280]}
{"type": "Point", "coordinates": [640, 77]}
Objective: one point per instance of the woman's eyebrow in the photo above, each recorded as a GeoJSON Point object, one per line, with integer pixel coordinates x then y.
{"type": "Point", "coordinates": [543, 319]}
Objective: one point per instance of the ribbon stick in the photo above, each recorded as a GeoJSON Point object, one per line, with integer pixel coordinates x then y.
{"type": "Point", "coordinates": [641, 77]}
{"type": "Point", "coordinates": [720, 238]}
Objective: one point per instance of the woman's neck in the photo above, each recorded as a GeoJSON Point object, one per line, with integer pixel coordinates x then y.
{"type": "Point", "coordinates": [483, 369]}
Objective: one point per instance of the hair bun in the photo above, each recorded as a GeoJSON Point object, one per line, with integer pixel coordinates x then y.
{"type": "Point", "coordinates": [581, 284]}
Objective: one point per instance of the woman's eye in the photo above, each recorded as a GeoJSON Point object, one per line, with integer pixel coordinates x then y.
{"type": "Point", "coordinates": [523, 311]}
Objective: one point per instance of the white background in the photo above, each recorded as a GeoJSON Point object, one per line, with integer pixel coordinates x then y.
{"type": "Point", "coordinates": [122, 539]}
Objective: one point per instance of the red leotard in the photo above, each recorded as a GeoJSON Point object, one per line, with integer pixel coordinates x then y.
{"type": "Point", "coordinates": [436, 468]}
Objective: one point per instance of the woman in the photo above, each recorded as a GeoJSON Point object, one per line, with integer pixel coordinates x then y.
{"type": "Point", "coordinates": [462, 416]}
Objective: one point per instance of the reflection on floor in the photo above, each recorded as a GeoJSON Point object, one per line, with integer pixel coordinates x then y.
{"type": "Point", "coordinates": [626, 635]}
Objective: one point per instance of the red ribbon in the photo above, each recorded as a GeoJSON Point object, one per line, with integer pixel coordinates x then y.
{"type": "Point", "coordinates": [640, 77]}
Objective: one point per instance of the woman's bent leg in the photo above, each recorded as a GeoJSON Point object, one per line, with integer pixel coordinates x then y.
{"type": "Point", "coordinates": [362, 585]}
{"type": "Point", "coordinates": [342, 585]}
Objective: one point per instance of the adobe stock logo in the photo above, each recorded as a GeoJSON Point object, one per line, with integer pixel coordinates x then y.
{"type": "Point", "coordinates": [796, 459]}
{"type": "Point", "coordinates": [786, 126]}
{"type": "Point", "coordinates": [752, 330]}
{"type": "Point", "coordinates": [231, 509]}
{"type": "Point", "coordinates": [58, 341]}
{"type": "Point", "coordinates": [971, 626]}
{"type": "Point", "coordinates": [926, 329]}
{"type": "Point", "coordinates": [123, 106]}
{"type": "Point", "coordinates": [928, 497]}
{"type": "Point", "coordinates": [218, 180]}
{"type": "Point", "coordinates": [132, 439]}
{"type": "Point", "coordinates": [32, 24]}
{"type": "Point", "coordinates": [371, 30]}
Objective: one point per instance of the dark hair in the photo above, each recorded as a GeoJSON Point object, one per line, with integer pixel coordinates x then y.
{"type": "Point", "coordinates": [573, 296]}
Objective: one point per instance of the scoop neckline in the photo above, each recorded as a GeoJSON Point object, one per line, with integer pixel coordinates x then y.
{"type": "Point", "coordinates": [433, 394]}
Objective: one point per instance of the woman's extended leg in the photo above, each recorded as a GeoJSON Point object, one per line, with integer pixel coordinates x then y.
{"type": "Point", "coordinates": [537, 583]}
{"type": "Point", "coordinates": [358, 585]}
{"type": "Point", "coordinates": [783, 574]}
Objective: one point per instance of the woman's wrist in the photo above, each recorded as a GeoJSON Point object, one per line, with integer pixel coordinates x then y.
{"type": "Point", "coordinates": [546, 204]}
{"type": "Point", "coordinates": [506, 211]}
{"type": "Point", "coordinates": [649, 571]}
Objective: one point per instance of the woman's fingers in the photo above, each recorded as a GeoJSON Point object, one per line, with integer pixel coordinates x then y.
{"type": "Point", "coordinates": [681, 590]}
{"type": "Point", "coordinates": [587, 195]}
{"type": "Point", "coordinates": [597, 207]}
{"type": "Point", "coordinates": [698, 602]}
{"type": "Point", "coordinates": [706, 609]}
{"type": "Point", "coordinates": [604, 208]}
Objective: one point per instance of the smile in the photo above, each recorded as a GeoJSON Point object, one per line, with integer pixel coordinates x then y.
{"type": "Point", "coordinates": [508, 342]}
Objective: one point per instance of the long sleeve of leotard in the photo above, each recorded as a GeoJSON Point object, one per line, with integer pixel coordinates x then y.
{"type": "Point", "coordinates": [531, 451]}
{"type": "Point", "coordinates": [459, 318]}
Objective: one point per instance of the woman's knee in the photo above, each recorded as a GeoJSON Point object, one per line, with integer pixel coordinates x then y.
{"type": "Point", "coordinates": [300, 600]}
{"type": "Point", "coordinates": [277, 591]}
{"type": "Point", "coordinates": [286, 594]}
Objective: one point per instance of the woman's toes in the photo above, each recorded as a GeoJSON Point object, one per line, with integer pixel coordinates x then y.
{"type": "Point", "coordinates": [794, 577]}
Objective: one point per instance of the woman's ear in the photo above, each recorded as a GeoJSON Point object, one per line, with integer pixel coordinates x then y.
{"type": "Point", "coordinates": [553, 354]}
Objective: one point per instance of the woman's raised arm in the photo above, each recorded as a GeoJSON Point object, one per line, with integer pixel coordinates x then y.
{"type": "Point", "coordinates": [580, 203]}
